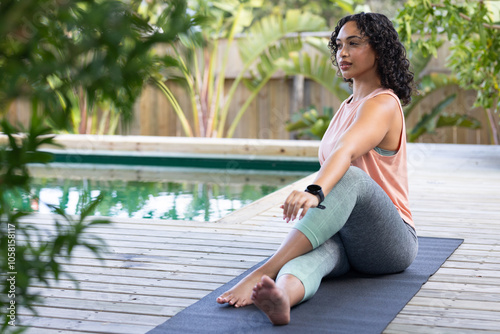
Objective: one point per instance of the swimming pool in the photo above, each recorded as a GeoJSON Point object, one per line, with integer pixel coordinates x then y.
{"type": "Point", "coordinates": [179, 193]}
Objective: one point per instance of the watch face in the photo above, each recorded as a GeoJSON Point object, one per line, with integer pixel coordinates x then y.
{"type": "Point", "coordinates": [313, 188]}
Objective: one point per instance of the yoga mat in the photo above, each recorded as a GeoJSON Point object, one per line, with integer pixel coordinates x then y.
{"type": "Point", "coordinates": [353, 303]}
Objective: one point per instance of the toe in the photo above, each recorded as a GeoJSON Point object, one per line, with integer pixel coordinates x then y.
{"type": "Point", "coordinates": [225, 298]}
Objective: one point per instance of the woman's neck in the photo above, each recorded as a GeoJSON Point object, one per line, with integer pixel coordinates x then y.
{"type": "Point", "coordinates": [362, 89]}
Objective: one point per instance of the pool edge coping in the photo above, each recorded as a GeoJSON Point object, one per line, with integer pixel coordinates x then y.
{"type": "Point", "coordinates": [88, 144]}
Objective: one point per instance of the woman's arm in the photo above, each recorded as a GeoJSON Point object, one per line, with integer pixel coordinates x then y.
{"type": "Point", "coordinates": [378, 121]}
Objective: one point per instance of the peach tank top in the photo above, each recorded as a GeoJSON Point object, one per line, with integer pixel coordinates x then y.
{"type": "Point", "coordinates": [390, 172]}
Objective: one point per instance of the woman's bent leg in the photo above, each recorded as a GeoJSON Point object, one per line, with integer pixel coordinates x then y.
{"type": "Point", "coordinates": [299, 241]}
{"type": "Point", "coordinates": [320, 225]}
{"type": "Point", "coordinates": [375, 237]}
{"type": "Point", "coordinates": [340, 202]}
{"type": "Point", "coordinates": [317, 226]}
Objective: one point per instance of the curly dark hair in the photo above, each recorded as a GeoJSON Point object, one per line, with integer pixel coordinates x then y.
{"type": "Point", "coordinates": [393, 66]}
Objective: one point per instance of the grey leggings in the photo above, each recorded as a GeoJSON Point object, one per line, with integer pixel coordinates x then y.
{"type": "Point", "coordinates": [360, 229]}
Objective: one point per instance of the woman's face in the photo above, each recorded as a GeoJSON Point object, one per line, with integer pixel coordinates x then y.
{"type": "Point", "coordinates": [355, 56]}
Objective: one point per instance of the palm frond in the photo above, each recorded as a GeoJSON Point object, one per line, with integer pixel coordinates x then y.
{"type": "Point", "coordinates": [273, 28]}
{"type": "Point", "coordinates": [267, 64]}
{"type": "Point", "coordinates": [428, 122]}
{"type": "Point", "coordinates": [319, 44]}
{"type": "Point", "coordinates": [318, 69]}
{"type": "Point", "coordinates": [429, 84]}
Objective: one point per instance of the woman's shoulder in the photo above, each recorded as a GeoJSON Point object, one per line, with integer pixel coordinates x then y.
{"type": "Point", "coordinates": [383, 92]}
{"type": "Point", "coordinates": [383, 98]}
{"type": "Point", "coordinates": [380, 109]}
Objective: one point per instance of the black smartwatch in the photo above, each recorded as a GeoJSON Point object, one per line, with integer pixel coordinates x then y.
{"type": "Point", "coordinates": [316, 191]}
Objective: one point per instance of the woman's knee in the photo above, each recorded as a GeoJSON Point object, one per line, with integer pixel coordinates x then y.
{"type": "Point", "coordinates": [356, 174]}
{"type": "Point", "coordinates": [354, 182]}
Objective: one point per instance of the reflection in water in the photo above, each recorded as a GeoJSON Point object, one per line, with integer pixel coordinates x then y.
{"type": "Point", "coordinates": [198, 196]}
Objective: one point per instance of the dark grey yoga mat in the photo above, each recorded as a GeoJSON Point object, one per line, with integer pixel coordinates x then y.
{"type": "Point", "coordinates": [353, 303]}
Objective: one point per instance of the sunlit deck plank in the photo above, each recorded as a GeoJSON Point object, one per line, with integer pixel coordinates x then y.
{"type": "Point", "coordinates": [456, 193]}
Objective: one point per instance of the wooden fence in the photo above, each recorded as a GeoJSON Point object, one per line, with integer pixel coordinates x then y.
{"type": "Point", "coordinates": [267, 115]}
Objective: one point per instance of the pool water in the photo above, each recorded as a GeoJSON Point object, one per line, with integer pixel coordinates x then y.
{"type": "Point", "coordinates": [142, 192]}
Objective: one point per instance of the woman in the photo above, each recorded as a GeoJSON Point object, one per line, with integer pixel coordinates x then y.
{"type": "Point", "coordinates": [356, 214]}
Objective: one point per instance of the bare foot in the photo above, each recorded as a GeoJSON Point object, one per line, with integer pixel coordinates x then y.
{"type": "Point", "coordinates": [240, 294]}
{"type": "Point", "coordinates": [272, 300]}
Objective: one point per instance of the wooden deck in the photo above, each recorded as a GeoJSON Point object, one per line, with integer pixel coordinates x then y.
{"type": "Point", "coordinates": [154, 269]}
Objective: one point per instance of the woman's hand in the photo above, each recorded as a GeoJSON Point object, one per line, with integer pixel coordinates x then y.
{"type": "Point", "coordinates": [298, 200]}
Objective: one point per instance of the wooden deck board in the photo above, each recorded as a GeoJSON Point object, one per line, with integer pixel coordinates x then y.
{"type": "Point", "coordinates": [156, 268]}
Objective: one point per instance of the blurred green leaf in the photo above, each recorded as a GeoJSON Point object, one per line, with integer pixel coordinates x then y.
{"type": "Point", "coordinates": [429, 122]}
{"type": "Point", "coordinates": [474, 44]}
{"type": "Point", "coordinates": [308, 123]}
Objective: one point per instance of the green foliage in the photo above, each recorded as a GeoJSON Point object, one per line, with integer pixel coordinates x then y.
{"type": "Point", "coordinates": [72, 57]}
{"type": "Point", "coordinates": [262, 44]}
{"type": "Point", "coordinates": [474, 39]}
{"type": "Point", "coordinates": [436, 118]}
{"type": "Point", "coordinates": [195, 59]}
{"type": "Point", "coordinates": [316, 67]}
{"type": "Point", "coordinates": [308, 123]}
{"type": "Point", "coordinates": [68, 234]}
{"type": "Point", "coordinates": [270, 42]}
{"type": "Point", "coordinates": [27, 252]}
{"type": "Point", "coordinates": [278, 54]}
{"type": "Point", "coordinates": [428, 83]}
{"type": "Point", "coordinates": [330, 10]}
